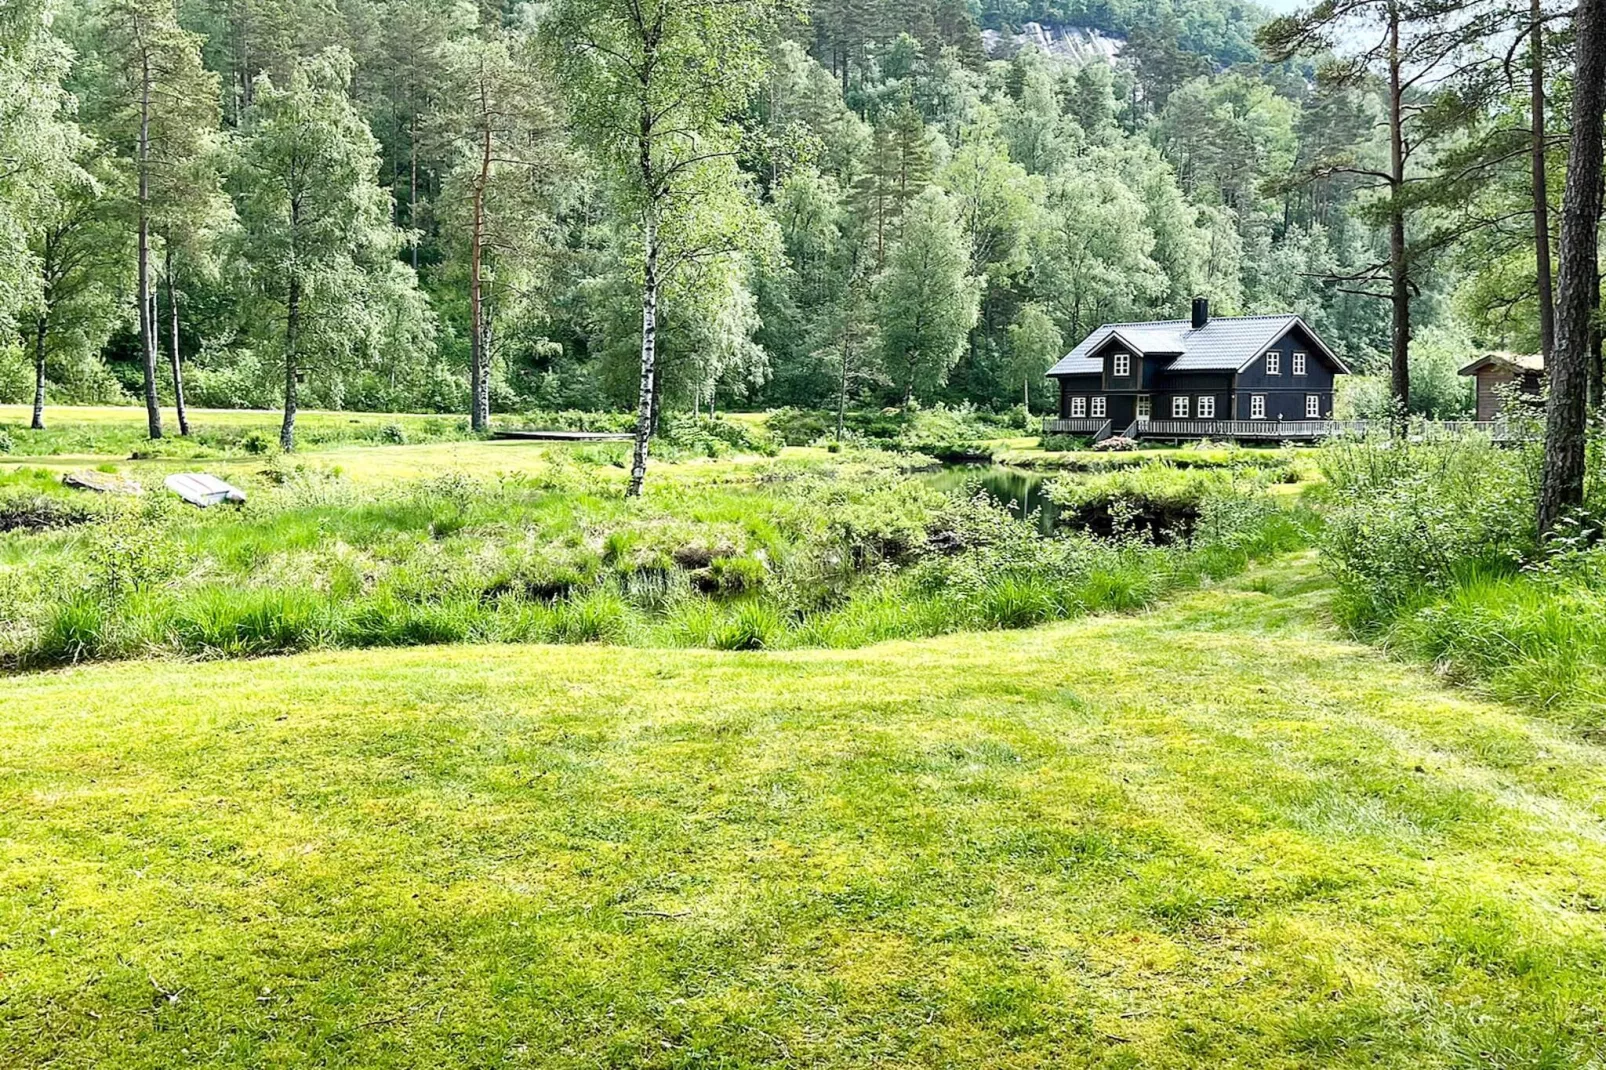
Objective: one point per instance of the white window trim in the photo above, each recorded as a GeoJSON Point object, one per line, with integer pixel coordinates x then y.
{"type": "Point", "coordinates": [1257, 406]}
{"type": "Point", "coordinates": [1205, 406]}
{"type": "Point", "coordinates": [1313, 406]}
{"type": "Point", "coordinates": [1078, 408]}
{"type": "Point", "coordinates": [1145, 407]}
{"type": "Point", "coordinates": [1179, 407]}
{"type": "Point", "coordinates": [1122, 365]}
{"type": "Point", "coordinates": [1299, 364]}
{"type": "Point", "coordinates": [1274, 363]}
{"type": "Point", "coordinates": [1097, 406]}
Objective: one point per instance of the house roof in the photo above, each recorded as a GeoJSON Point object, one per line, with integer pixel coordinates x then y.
{"type": "Point", "coordinates": [1523, 362]}
{"type": "Point", "coordinates": [1226, 343]}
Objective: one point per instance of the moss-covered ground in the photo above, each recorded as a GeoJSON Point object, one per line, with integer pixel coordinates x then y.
{"type": "Point", "coordinates": [1213, 835]}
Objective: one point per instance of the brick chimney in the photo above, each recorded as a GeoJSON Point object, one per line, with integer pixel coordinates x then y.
{"type": "Point", "coordinates": [1201, 312]}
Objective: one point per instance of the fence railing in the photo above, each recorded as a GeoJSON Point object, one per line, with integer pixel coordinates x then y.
{"type": "Point", "coordinates": [1054, 425]}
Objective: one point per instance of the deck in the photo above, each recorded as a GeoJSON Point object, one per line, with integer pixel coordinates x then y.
{"type": "Point", "coordinates": [1275, 430]}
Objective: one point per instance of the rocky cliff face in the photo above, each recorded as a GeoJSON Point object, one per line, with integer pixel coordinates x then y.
{"type": "Point", "coordinates": [1076, 44]}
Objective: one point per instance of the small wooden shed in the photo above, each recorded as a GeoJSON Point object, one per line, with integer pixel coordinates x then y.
{"type": "Point", "coordinates": [1494, 370]}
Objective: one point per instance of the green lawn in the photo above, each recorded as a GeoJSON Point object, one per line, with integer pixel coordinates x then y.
{"type": "Point", "coordinates": [1215, 835]}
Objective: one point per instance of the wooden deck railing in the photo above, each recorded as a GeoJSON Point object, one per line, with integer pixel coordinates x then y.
{"type": "Point", "coordinates": [1284, 430]}
{"type": "Point", "coordinates": [1055, 425]}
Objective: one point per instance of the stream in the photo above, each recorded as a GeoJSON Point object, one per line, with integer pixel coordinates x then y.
{"type": "Point", "coordinates": [1018, 490]}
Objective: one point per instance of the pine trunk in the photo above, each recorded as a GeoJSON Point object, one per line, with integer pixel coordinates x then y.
{"type": "Point", "coordinates": [479, 378]}
{"type": "Point", "coordinates": [1399, 269]}
{"type": "Point", "coordinates": [1541, 197]}
{"type": "Point", "coordinates": [147, 324]}
{"type": "Point", "coordinates": [1562, 480]}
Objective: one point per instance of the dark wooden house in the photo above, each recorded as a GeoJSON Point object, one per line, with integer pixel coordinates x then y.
{"type": "Point", "coordinates": [1498, 373]}
{"type": "Point", "coordinates": [1228, 377]}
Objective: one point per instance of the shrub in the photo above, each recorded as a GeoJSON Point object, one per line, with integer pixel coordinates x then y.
{"type": "Point", "coordinates": [258, 442]}
{"type": "Point", "coordinates": [1408, 518]}
{"type": "Point", "coordinates": [599, 616]}
{"type": "Point", "coordinates": [753, 626]}
{"type": "Point", "coordinates": [235, 621]}
{"type": "Point", "coordinates": [1062, 443]}
{"type": "Point", "coordinates": [1115, 444]}
{"type": "Point", "coordinates": [7, 443]}
{"type": "Point", "coordinates": [394, 434]}
{"type": "Point", "coordinates": [73, 632]}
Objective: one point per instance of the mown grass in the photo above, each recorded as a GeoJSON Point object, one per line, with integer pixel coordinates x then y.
{"type": "Point", "coordinates": [1212, 835]}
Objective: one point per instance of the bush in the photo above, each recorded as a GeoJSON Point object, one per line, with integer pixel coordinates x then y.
{"type": "Point", "coordinates": [1409, 518]}
{"type": "Point", "coordinates": [258, 442]}
{"type": "Point", "coordinates": [393, 434]}
{"type": "Point", "coordinates": [1115, 444]}
{"type": "Point", "coordinates": [7, 443]}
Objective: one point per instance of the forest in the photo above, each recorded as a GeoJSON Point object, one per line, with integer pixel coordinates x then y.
{"type": "Point", "coordinates": [428, 206]}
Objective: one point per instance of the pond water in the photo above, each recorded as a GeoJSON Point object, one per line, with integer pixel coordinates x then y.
{"type": "Point", "coordinates": [1017, 489]}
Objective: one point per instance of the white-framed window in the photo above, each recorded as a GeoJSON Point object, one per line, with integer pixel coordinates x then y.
{"type": "Point", "coordinates": [1257, 406]}
{"type": "Point", "coordinates": [1206, 407]}
{"type": "Point", "coordinates": [1299, 364]}
{"type": "Point", "coordinates": [1274, 363]}
{"type": "Point", "coordinates": [1097, 408]}
{"type": "Point", "coordinates": [1078, 407]}
{"type": "Point", "coordinates": [1313, 405]}
{"type": "Point", "coordinates": [1122, 365]}
{"type": "Point", "coordinates": [1145, 406]}
{"type": "Point", "coordinates": [1179, 407]}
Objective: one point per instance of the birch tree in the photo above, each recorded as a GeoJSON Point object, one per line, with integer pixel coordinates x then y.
{"type": "Point", "coordinates": [657, 85]}
{"type": "Point", "coordinates": [316, 235]}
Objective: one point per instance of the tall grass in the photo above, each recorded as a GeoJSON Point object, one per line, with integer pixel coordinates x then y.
{"type": "Point", "coordinates": [1435, 551]}
{"type": "Point", "coordinates": [840, 554]}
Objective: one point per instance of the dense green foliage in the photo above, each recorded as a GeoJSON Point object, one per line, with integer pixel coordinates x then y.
{"type": "Point", "coordinates": [855, 209]}
{"type": "Point", "coordinates": [1435, 551]}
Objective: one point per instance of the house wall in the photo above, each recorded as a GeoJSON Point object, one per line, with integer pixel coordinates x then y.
{"type": "Point", "coordinates": [1285, 392]}
{"type": "Point", "coordinates": [1193, 386]}
{"type": "Point", "coordinates": [1076, 386]}
{"type": "Point", "coordinates": [1490, 381]}
{"type": "Point", "coordinates": [1135, 371]}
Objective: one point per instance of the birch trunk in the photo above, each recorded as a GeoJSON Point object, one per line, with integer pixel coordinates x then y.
{"type": "Point", "coordinates": [292, 328]}
{"type": "Point", "coordinates": [147, 325]}
{"type": "Point", "coordinates": [41, 328]}
{"type": "Point", "coordinates": [649, 357]}
{"type": "Point", "coordinates": [178, 373]}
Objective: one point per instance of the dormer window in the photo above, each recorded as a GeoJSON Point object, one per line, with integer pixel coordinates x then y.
{"type": "Point", "coordinates": [1274, 363]}
{"type": "Point", "coordinates": [1299, 364]}
{"type": "Point", "coordinates": [1123, 365]}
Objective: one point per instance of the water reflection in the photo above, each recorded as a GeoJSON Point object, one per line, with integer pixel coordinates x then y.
{"type": "Point", "coordinates": [1018, 490]}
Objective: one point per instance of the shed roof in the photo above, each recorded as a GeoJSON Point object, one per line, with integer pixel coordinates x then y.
{"type": "Point", "coordinates": [1522, 362]}
{"type": "Point", "coordinates": [1226, 343]}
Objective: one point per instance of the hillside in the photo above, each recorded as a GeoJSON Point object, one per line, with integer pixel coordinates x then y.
{"type": "Point", "coordinates": [1212, 835]}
